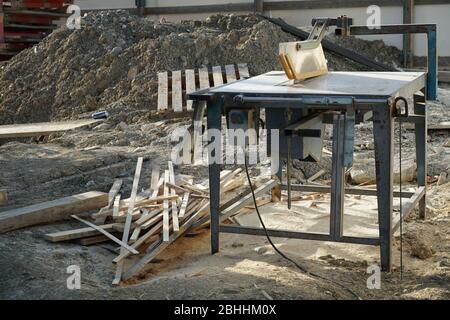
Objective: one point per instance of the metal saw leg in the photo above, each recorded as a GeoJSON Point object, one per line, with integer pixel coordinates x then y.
{"type": "Point", "coordinates": [384, 149]}
{"type": "Point", "coordinates": [421, 149]}
{"type": "Point", "coordinates": [337, 178]}
{"type": "Point", "coordinates": [214, 123]}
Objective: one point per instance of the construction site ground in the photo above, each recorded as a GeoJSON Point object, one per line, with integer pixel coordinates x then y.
{"type": "Point", "coordinates": [246, 267]}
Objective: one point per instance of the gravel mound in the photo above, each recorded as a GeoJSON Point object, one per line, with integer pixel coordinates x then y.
{"type": "Point", "coordinates": [112, 61]}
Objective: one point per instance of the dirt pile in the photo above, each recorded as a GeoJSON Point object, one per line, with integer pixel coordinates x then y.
{"type": "Point", "coordinates": [111, 63]}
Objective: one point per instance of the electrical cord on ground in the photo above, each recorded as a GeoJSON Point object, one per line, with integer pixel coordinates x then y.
{"type": "Point", "coordinates": [303, 269]}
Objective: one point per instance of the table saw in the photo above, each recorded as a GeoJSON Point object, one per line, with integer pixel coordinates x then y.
{"type": "Point", "coordinates": [300, 110]}
{"type": "Point", "coordinates": [343, 100]}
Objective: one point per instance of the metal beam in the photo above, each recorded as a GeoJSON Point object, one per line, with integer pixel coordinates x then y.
{"type": "Point", "coordinates": [210, 8]}
{"type": "Point", "coordinates": [258, 6]}
{"type": "Point", "coordinates": [351, 190]}
{"type": "Point", "coordinates": [321, 4]}
{"type": "Point", "coordinates": [140, 7]}
{"type": "Point", "coordinates": [393, 29]}
{"type": "Point", "coordinates": [408, 47]}
{"type": "Point", "coordinates": [296, 235]}
{"type": "Point", "coordinates": [429, 29]}
{"type": "Point", "coordinates": [282, 5]}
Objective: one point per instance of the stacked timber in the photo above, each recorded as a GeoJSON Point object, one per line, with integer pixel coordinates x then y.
{"type": "Point", "coordinates": [147, 222]}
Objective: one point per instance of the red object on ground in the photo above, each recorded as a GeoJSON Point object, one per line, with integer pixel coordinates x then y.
{"type": "Point", "coordinates": [24, 23]}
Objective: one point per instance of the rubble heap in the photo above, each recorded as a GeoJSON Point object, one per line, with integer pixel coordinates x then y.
{"type": "Point", "coordinates": [112, 61]}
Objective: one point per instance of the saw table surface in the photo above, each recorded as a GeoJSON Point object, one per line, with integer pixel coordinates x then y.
{"type": "Point", "coordinates": [356, 84]}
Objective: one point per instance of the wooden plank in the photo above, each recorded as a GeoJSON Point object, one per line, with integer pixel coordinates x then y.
{"type": "Point", "coordinates": [154, 181]}
{"type": "Point", "coordinates": [109, 235]}
{"type": "Point", "coordinates": [177, 92]}
{"type": "Point", "coordinates": [126, 231]}
{"type": "Point", "coordinates": [166, 208]}
{"type": "Point", "coordinates": [227, 175]}
{"type": "Point", "coordinates": [163, 91]}
{"type": "Point", "coordinates": [230, 72]}
{"type": "Point", "coordinates": [114, 191]}
{"type": "Point", "coordinates": [184, 204]}
{"type": "Point", "coordinates": [141, 203]}
{"type": "Point", "coordinates": [3, 197]}
{"type": "Point", "coordinates": [157, 228]}
{"type": "Point", "coordinates": [154, 230]}
{"type": "Point", "coordinates": [190, 86]}
{"type": "Point", "coordinates": [203, 76]}
{"type": "Point", "coordinates": [145, 219]}
{"type": "Point", "coordinates": [153, 200]}
{"type": "Point", "coordinates": [119, 227]}
{"type": "Point", "coordinates": [316, 175]}
{"type": "Point", "coordinates": [42, 128]}
{"type": "Point", "coordinates": [134, 190]}
{"type": "Point", "coordinates": [116, 207]}
{"type": "Point", "coordinates": [137, 230]}
{"type": "Point", "coordinates": [176, 187]}
{"type": "Point", "coordinates": [155, 184]}
{"type": "Point", "coordinates": [111, 197]}
{"type": "Point", "coordinates": [100, 216]}
{"type": "Point", "coordinates": [171, 172]}
{"type": "Point", "coordinates": [153, 253]}
{"type": "Point", "coordinates": [233, 184]}
{"type": "Point", "coordinates": [243, 71]}
{"type": "Point", "coordinates": [76, 233]}
{"type": "Point", "coordinates": [156, 191]}
{"type": "Point", "coordinates": [93, 240]}
{"type": "Point", "coordinates": [240, 203]}
{"type": "Point", "coordinates": [175, 222]}
{"type": "Point", "coordinates": [259, 203]}
{"type": "Point", "coordinates": [51, 211]}
{"type": "Point", "coordinates": [217, 75]}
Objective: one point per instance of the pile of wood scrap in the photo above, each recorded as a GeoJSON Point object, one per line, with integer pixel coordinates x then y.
{"type": "Point", "coordinates": [147, 222]}
{"type": "Point", "coordinates": [51, 211]}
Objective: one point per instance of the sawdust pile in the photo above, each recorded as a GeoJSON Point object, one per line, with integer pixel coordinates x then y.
{"type": "Point", "coordinates": [111, 63]}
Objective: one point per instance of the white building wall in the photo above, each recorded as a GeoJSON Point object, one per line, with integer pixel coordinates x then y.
{"type": "Point", "coordinates": [105, 4]}
{"type": "Point", "coordinates": [439, 14]}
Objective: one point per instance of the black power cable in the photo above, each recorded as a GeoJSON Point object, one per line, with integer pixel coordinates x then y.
{"type": "Point", "coordinates": [303, 269]}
